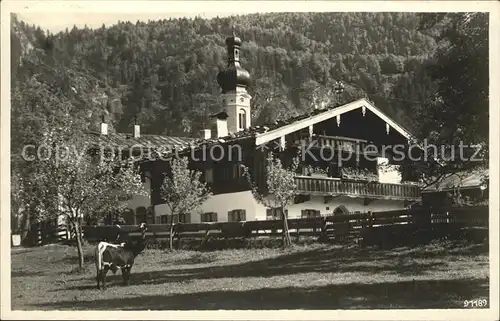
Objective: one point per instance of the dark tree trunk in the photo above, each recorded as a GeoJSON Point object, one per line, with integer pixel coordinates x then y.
{"type": "Point", "coordinates": [287, 241]}
{"type": "Point", "coordinates": [78, 236]}
{"type": "Point", "coordinates": [26, 225]}
{"type": "Point", "coordinates": [171, 236]}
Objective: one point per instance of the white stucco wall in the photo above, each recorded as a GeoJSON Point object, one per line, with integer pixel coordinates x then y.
{"type": "Point", "coordinates": [352, 204]}
{"type": "Point", "coordinates": [223, 203]}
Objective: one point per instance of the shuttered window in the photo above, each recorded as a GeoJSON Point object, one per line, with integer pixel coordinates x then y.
{"type": "Point", "coordinates": [185, 218]}
{"type": "Point", "coordinates": [236, 216]}
{"type": "Point", "coordinates": [310, 213]}
{"type": "Point", "coordinates": [274, 213]}
{"type": "Point", "coordinates": [209, 217]}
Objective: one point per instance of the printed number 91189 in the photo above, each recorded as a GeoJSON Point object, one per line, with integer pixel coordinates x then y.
{"type": "Point", "coordinates": [475, 303]}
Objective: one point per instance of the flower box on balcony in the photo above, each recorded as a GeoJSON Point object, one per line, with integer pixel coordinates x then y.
{"type": "Point", "coordinates": [358, 175]}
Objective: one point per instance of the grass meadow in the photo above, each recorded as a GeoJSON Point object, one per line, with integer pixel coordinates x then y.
{"type": "Point", "coordinates": [438, 275]}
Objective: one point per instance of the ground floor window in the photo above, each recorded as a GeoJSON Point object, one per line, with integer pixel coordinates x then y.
{"type": "Point", "coordinates": [236, 216]}
{"type": "Point", "coordinates": [209, 217]}
{"type": "Point", "coordinates": [274, 213]}
{"type": "Point", "coordinates": [185, 218]}
{"type": "Point", "coordinates": [307, 213]}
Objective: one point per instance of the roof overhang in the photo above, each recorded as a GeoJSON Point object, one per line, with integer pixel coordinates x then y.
{"type": "Point", "coordinates": [328, 114]}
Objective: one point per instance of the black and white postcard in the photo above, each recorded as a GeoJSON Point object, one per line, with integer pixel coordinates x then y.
{"type": "Point", "coordinates": [295, 160]}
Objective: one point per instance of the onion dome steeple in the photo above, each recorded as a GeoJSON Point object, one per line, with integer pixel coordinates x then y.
{"type": "Point", "coordinates": [234, 75]}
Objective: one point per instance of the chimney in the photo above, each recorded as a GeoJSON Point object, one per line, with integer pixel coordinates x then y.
{"type": "Point", "coordinates": [137, 131]}
{"type": "Point", "coordinates": [206, 134]}
{"type": "Point", "coordinates": [104, 126]}
{"type": "Point", "coordinates": [219, 125]}
{"type": "Point", "coordinates": [137, 128]}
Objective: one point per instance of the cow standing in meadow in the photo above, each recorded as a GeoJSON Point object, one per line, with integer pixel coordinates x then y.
{"type": "Point", "coordinates": [118, 256]}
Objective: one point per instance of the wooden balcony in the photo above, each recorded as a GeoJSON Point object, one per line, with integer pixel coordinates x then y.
{"type": "Point", "coordinates": [337, 143]}
{"type": "Point", "coordinates": [374, 190]}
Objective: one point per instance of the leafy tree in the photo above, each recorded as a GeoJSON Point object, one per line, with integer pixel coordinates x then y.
{"type": "Point", "coordinates": [182, 191]}
{"type": "Point", "coordinates": [279, 191]}
{"type": "Point", "coordinates": [457, 111]}
{"type": "Point", "coordinates": [74, 184]}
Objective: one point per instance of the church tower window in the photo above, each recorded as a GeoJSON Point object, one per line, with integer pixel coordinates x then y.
{"type": "Point", "coordinates": [242, 119]}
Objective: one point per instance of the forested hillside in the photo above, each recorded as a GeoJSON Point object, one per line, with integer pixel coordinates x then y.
{"type": "Point", "coordinates": [164, 72]}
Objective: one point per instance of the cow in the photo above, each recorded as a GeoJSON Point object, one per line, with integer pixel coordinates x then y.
{"type": "Point", "coordinates": [118, 256]}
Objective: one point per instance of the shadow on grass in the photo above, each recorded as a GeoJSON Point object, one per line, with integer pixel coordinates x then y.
{"type": "Point", "coordinates": [352, 260]}
{"type": "Point", "coordinates": [201, 259]}
{"type": "Point", "coordinates": [88, 257]}
{"type": "Point", "coordinates": [20, 274]}
{"type": "Point", "coordinates": [412, 294]}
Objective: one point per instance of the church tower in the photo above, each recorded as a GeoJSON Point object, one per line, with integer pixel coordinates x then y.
{"type": "Point", "coordinates": [233, 81]}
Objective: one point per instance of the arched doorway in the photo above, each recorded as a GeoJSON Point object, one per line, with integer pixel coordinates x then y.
{"type": "Point", "coordinates": [340, 210]}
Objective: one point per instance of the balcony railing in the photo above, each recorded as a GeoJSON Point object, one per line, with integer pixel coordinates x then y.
{"type": "Point", "coordinates": [338, 143]}
{"type": "Point", "coordinates": [319, 186]}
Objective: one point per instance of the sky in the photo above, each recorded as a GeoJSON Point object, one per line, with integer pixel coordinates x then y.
{"type": "Point", "coordinates": [61, 21]}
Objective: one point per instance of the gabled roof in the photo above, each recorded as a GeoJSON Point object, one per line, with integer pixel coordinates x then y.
{"type": "Point", "coordinates": [464, 179]}
{"type": "Point", "coordinates": [304, 121]}
{"type": "Point", "coordinates": [127, 141]}
{"type": "Point", "coordinates": [266, 133]}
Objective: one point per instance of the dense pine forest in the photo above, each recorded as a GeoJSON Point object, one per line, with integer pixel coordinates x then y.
{"type": "Point", "coordinates": [163, 73]}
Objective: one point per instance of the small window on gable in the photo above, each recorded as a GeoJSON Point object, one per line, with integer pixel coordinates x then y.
{"type": "Point", "coordinates": [242, 119]}
{"type": "Point", "coordinates": [209, 176]}
{"type": "Point", "coordinates": [237, 170]}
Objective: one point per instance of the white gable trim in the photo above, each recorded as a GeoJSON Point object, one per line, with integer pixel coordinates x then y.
{"type": "Point", "coordinates": [300, 124]}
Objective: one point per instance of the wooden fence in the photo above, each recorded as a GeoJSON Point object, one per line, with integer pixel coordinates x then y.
{"type": "Point", "coordinates": [377, 228]}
